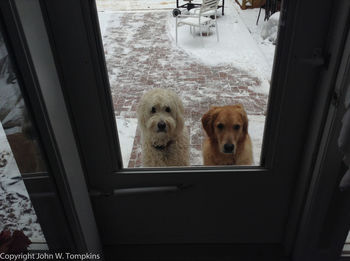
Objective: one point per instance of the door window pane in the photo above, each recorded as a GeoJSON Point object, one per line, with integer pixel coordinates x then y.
{"type": "Point", "coordinates": [19, 155]}
{"type": "Point", "coordinates": [204, 70]}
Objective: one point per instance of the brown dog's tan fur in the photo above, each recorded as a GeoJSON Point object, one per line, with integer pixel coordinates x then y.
{"type": "Point", "coordinates": [227, 125]}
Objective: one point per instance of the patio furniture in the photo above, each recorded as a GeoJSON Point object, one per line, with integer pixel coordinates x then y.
{"type": "Point", "coordinates": [195, 11]}
{"type": "Point", "coordinates": [191, 5]}
{"type": "Point", "coordinates": [199, 19]}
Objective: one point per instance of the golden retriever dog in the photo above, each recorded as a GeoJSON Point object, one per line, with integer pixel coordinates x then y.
{"type": "Point", "coordinates": [228, 141]}
{"type": "Point", "coordinates": [165, 140]}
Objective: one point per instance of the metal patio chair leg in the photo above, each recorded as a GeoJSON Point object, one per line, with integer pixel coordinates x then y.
{"type": "Point", "coordinates": [176, 31]}
{"type": "Point", "coordinates": [201, 34]}
{"type": "Point", "coordinates": [217, 30]}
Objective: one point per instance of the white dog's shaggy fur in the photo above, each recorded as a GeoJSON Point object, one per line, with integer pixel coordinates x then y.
{"type": "Point", "coordinates": [165, 140]}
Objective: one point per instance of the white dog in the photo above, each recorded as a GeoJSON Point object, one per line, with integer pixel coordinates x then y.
{"type": "Point", "coordinates": [165, 140]}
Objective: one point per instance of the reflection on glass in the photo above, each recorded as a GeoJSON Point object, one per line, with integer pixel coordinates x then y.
{"type": "Point", "coordinates": [14, 119]}
{"type": "Point", "coordinates": [141, 54]}
{"type": "Point", "coordinates": [346, 249]}
{"type": "Point", "coordinates": [19, 154]}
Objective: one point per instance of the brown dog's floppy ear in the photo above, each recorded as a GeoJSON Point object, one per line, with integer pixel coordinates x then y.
{"type": "Point", "coordinates": [207, 121]}
{"type": "Point", "coordinates": [244, 118]}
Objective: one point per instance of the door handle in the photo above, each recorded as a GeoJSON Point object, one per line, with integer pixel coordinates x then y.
{"type": "Point", "coordinates": [140, 190]}
{"type": "Point", "coordinates": [144, 190]}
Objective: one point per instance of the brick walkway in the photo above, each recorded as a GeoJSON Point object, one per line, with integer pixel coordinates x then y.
{"type": "Point", "coordinates": [140, 56]}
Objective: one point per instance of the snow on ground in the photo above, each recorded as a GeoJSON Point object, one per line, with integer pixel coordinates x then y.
{"type": "Point", "coordinates": [16, 210]}
{"type": "Point", "coordinates": [140, 56]}
{"type": "Point", "coordinates": [266, 44]}
{"type": "Point", "coordinates": [126, 133]}
{"type": "Point", "coordinates": [256, 132]}
{"type": "Point", "coordinates": [241, 46]}
{"type": "Point", "coordinates": [132, 5]}
{"type": "Point", "coordinates": [236, 45]}
{"type": "Point", "coordinates": [241, 43]}
{"type": "Point", "coordinates": [104, 19]}
{"type": "Point", "coordinates": [347, 245]}
{"type": "Point", "coordinates": [270, 28]}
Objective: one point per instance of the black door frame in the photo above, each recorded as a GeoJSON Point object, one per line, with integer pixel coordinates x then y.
{"type": "Point", "coordinates": [325, 221]}
{"type": "Point", "coordinates": [335, 48]}
{"type": "Point", "coordinates": [17, 49]}
{"type": "Point", "coordinates": [53, 194]}
{"type": "Point", "coordinates": [306, 63]}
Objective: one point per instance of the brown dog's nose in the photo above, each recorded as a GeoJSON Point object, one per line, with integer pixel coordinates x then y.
{"type": "Point", "coordinates": [228, 148]}
{"type": "Point", "coordinates": [161, 125]}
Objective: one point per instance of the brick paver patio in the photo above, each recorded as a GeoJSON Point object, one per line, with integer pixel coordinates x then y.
{"type": "Point", "coordinates": [140, 56]}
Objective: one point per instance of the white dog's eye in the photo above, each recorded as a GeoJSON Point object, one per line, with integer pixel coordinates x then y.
{"type": "Point", "coordinates": [153, 110]}
{"type": "Point", "coordinates": [167, 109]}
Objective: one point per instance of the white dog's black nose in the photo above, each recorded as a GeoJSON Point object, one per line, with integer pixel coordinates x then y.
{"type": "Point", "coordinates": [228, 148]}
{"type": "Point", "coordinates": [161, 125]}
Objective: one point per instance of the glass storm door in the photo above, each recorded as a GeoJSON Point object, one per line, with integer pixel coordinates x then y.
{"type": "Point", "coordinates": [253, 205]}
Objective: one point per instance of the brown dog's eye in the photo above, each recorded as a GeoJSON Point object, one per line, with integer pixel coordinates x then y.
{"type": "Point", "coordinates": [220, 126]}
{"type": "Point", "coordinates": [153, 110]}
{"type": "Point", "coordinates": [236, 127]}
{"type": "Point", "coordinates": [167, 109]}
